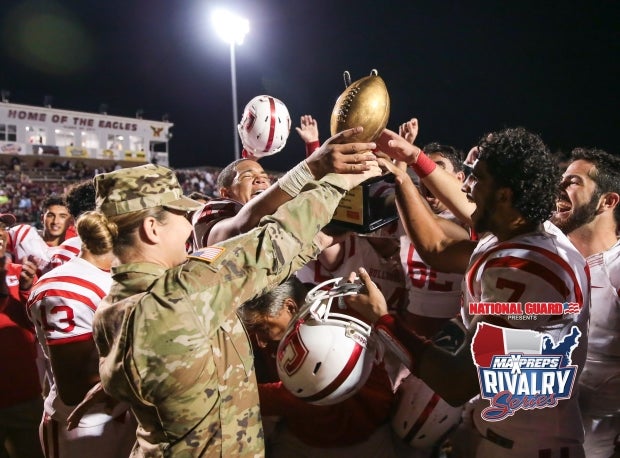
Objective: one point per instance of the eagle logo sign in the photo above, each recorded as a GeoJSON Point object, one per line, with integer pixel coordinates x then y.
{"type": "Point", "coordinates": [157, 131]}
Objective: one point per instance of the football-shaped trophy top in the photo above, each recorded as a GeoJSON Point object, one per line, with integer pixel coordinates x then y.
{"type": "Point", "coordinates": [365, 103]}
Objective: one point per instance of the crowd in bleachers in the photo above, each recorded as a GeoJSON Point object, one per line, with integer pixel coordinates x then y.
{"type": "Point", "coordinates": [27, 182]}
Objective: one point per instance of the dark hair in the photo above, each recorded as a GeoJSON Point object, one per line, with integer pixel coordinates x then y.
{"type": "Point", "coordinates": [54, 199]}
{"type": "Point", "coordinates": [80, 197]}
{"type": "Point", "coordinates": [452, 154]}
{"type": "Point", "coordinates": [271, 303]}
{"type": "Point", "coordinates": [606, 173]}
{"type": "Point", "coordinates": [519, 160]}
{"type": "Point", "coordinates": [227, 175]}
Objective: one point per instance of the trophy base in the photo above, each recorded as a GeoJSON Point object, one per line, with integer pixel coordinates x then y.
{"type": "Point", "coordinates": [367, 207]}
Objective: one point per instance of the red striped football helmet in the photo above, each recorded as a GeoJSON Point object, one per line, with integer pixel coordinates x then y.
{"type": "Point", "coordinates": [324, 356]}
{"type": "Point", "coordinates": [264, 126]}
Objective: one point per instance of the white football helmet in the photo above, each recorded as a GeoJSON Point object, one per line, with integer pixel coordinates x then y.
{"type": "Point", "coordinates": [422, 418]}
{"type": "Point", "coordinates": [264, 126]}
{"type": "Point", "coordinates": [324, 356]}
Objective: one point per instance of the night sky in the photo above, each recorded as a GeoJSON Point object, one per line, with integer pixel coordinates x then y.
{"type": "Point", "coordinates": [462, 68]}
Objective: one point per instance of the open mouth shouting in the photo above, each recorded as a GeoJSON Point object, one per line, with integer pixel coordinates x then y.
{"type": "Point", "coordinates": [563, 207]}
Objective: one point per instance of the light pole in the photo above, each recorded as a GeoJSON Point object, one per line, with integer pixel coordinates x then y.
{"type": "Point", "coordinates": [232, 29]}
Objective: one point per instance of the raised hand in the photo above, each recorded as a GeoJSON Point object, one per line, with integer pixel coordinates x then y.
{"type": "Point", "coordinates": [409, 130]}
{"type": "Point", "coordinates": [29, 272]}
{"type": "Point", "coordinates": [94, 396]}
{"type": "Point", "coordinates": [371, 304]}
{"type": "Point", "coordinates": [308, 130]}
{"type": "Point", "coordinates": [334, 155]}
{"type": "Point", "coordinates": [397, 147]}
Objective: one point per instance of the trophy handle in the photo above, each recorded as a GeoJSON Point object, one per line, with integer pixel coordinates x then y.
{"type": "Point", "coordinates": [347, 76]}
{"type": "Point", "coordinates": [347, 79]}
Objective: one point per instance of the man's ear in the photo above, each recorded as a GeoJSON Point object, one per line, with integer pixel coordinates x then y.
{"type": "Point", "coordinates": [291, 305]}
{"type": "Point", "coordinates": [610, 200]}
{"type": "Point", "coordinates": [224, 193]}
{"type": "Point", "coordinates": [503, 195]}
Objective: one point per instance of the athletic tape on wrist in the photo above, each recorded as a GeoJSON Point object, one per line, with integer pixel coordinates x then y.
{"type": "Point", "coordinates": [295, 179]}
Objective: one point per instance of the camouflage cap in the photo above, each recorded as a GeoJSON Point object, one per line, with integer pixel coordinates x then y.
{"type": "Point", "coordinates": [137, 188]}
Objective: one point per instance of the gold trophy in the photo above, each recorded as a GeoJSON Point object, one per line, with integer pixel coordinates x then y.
{"type": "Point", "coordinates": [365, 103]}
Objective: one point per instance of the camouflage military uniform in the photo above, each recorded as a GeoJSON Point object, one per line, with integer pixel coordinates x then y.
{"type": "Point", "coordinates": [171, 343]}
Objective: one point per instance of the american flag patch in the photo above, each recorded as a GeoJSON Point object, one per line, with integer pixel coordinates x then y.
{"type": "Point", "coordinates": [209, 254]}
{"type": "Point", "coordinates": [571, 307]}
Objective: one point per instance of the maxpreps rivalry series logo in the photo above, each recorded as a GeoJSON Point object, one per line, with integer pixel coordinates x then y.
{"type": "Point", "coordinates": [520, 369]}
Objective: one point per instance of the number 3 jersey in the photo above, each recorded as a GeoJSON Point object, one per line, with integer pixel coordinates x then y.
{"type": "Point", "coordinates": [62, 305]}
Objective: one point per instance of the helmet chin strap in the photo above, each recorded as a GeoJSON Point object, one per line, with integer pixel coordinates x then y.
{"type": "Point", "coordinates": [245, 154]}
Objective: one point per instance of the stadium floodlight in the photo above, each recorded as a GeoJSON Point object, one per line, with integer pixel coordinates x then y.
{"type": "Point", "coordinates": [232, 29]}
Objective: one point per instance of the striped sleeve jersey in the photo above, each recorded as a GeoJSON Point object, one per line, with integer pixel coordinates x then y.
{"type": "Point", "coordinates": [63, 302]}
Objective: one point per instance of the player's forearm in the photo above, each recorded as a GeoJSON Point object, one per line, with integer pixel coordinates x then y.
{"type": "Point", "coordinates": [287, 187]}
{"type": "Point", "coordinates": [452, 376]}
{"type": "Point", "coordinates": [250, 215]}
{"type": "Point", "coordinates": [448, 190]}
{"type": "Point", "coordinates": [421, 225]}
{"type": "Point", "coordinates": [443, 185]}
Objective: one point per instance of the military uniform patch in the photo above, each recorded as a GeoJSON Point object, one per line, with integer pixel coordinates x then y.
{"type": "Point", "coordinates": [209, 254]}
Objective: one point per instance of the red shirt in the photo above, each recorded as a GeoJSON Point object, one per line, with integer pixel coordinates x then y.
{"type": "Point", "coordinates": [19, 378]}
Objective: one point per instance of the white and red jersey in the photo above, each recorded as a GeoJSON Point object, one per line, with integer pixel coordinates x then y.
{"type": "Point", "coordinates": [205, 218]}
{"type": "Point", "coordinates": [535, 267]}
{"type": "Point", "coordinates": [63, 302]}
{"type": "Point", "coordinates": [24, 241]}
{"type": "Point", "coordinates": [600, 380]}
{"type": "Point", "coordinates": [62, 305]}
{"type": "Point", "coordinates": [432, 293]}
{"type": "Point", "coordinates": [64, 252]}
{"type": "Point", "coordinates": [358, 252]}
